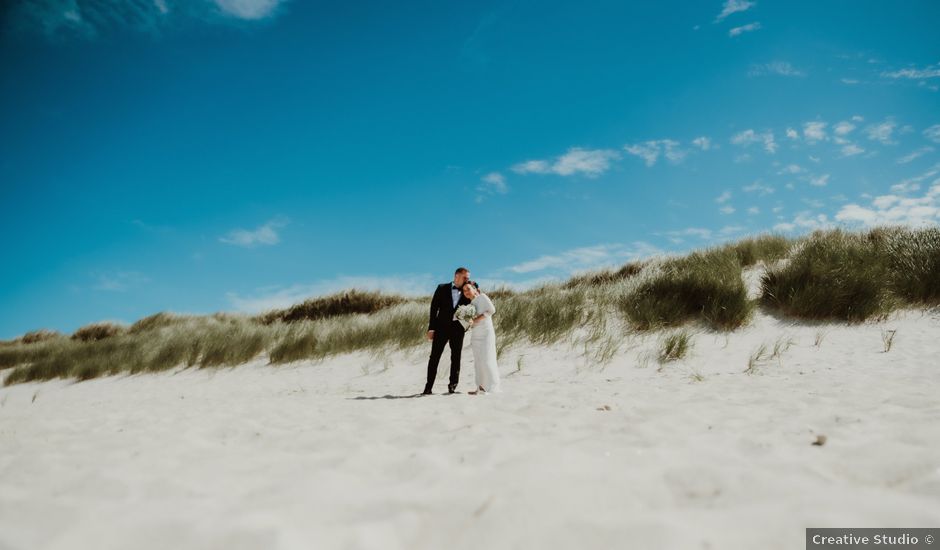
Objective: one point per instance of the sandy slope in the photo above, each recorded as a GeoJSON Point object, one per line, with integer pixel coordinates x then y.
{"type": "Point", "coordinates": [336, 455]}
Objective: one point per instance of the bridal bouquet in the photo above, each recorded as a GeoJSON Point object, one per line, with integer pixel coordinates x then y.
{"type": "Point", "coordinates": [465, 315]}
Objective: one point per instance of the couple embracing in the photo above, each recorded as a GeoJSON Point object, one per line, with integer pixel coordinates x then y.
{"type": "Point", "coordinates": [459, 307]}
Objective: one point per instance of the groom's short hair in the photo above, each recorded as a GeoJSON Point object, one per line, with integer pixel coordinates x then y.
{"type": "Point", "coordinates": [461, 270]}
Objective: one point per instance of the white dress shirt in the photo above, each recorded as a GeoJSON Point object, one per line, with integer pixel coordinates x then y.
{"type": "Point", "coordinates": [455, 294]}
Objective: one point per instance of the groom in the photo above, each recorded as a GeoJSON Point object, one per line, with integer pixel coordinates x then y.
{"type": "Point", "coordinates": [443, 329]}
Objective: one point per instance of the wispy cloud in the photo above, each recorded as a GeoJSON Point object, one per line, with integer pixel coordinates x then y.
{"type": "Point", "coordinates": [274, 297]}
{"type": "Point", "coordinates": [734, 6]}
{"type": "Point", "coordinates": [758, 187]}
{"type": "Point", "coordinates": [915, 154]}
{"type": "Point", "coordinates": [88, 19]}
{"type": "Point", "coordinates": [819, 181]}
{"type": "Point", "coordinates": [781, 68]}
{"type": "Point", "coordinates": [702, 142]}
{"type": "Point", "coordinates": [750, 27]}
{"type": "Point", "coordinates": [723, 198]}
{"type": "Point", "coordinates": [680, 235]}
{"type": "Point", "coordinates": [650, 151]}
{"type": "Point", "coordinates": [933, 133]}
{"type": "Point", "coordinates": [589, 162]}
{"type": "Point", "coordinates": [814, 131]}
{"type": "Point", "coordinates": [914, 73]}
{"type": "Point", "coordinates": [248, 9]}
{"type": "Point", "coordinates": [747, 137]}
{"type": "Point", "coordinates": [492, 183]}
{"type": "Point", "coordinates": [895, 210]}
{"type": "Point", "coordinates": [266, 234]}
{"type": "Point", "coordinates": [843, 128]}
{"type": "Point", "coordinates": [805, 221]}
{"type": "Point", "coordinates": [851, 149]}
{"type": "Point", "coordinates": [119, 281]}
{"type": "Point", "coordinates": [882, 132]}
{"type": "Point", "coordinates": [588, 257]}
{"type": "Point", "coordinates": [910, 185]}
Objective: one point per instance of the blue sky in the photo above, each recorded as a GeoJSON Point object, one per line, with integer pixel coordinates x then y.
{"type": "Point", "coordinates": [244, 154]}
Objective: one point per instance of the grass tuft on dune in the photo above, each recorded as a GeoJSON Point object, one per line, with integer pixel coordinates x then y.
{"type": "Point", "coordinates": [856, 276]}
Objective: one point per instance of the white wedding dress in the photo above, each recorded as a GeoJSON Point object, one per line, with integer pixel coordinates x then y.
{"type": "Point", "coordinates": [483, 344]}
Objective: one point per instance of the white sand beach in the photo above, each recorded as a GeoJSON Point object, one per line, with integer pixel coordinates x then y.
{"type": "Point", "coordinates": [573, 454]}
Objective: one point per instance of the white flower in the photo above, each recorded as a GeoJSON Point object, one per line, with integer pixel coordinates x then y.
{"type": "Point", "coordinates": [465, 315]}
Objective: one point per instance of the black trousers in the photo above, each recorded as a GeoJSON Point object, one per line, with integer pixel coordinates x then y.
{"type": "Point", "coordinates": [454, 337]}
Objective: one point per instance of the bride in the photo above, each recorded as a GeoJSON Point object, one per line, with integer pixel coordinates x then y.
{"type": "Point", "coordinates": [483, 341]}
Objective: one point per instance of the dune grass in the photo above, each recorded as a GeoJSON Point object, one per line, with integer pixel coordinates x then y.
{"type": "Point", "coordinates": [674, 346]}
{"type": "Point", "coordinates": [831, 274]}
{"type": "Point", "coordinates": [334, 305]}
{"type": "Point", "coordinates": [705, 286]}
{"type": "Point", "coordinates": [856, 276]}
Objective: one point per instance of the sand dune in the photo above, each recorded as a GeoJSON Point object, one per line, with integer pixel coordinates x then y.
{"type": "Point", "coordinates": [337, 454]}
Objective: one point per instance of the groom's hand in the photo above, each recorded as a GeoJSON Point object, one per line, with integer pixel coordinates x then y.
{"type": "Point", "coordinates": [430, 335]}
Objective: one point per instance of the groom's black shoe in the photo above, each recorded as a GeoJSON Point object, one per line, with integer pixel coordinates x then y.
{"type": "Point", "coordinates": [451, 389]}
{"type": "Point", "coordinates": [427, 391]}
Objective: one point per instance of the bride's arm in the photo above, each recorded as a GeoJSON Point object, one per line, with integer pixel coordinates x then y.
{"type": "Point", "coordinates": [488, 310]}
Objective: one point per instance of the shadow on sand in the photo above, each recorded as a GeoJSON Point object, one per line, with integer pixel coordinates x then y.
{"type": "Point", "coordinates": [389, 396]}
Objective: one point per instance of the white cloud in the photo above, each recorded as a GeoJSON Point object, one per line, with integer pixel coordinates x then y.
{"type": "Point", "coordinates": [792, 134]}
{"type": "Point", "coordinates": [650, 151]}
{"type": "Point", "coordinates": [588, 257]}
{"type": "Point", "coordinates": [882, 132]}
{"type": "Point", "coordinates": [734, 6]}
{"type": "Point", "coordinates": [930, 71]}
{"type": "Point", "coordinates": [915, 154]}
{"type": "Point", "coordinates": [747, 137]}
{"type": "Point", "coordinates": [851, 150]}
{"type": "Point", "coordinates": [72, 18]}
{"type": "Point", "coordinates": [819, 181]}
{"type": "Point", "coordinates": [495, 182]}
{"type": "Point", "coordinates": [849, 81]}
{"type": "Point", "coordinates": [248, 9]}
{"type": "Point", "coordinates": [905, 187]}
{"type": "Point", "coordinates": [750, 27]}
{"type": "Point", "coordinates": [758, 187]}
{"type": "Point", "coordinates": [704, 143]}
{"type": "Point", "coordinates": [805, 221]}
{"type": "Point", "coordinates": [933, 133]}
{"type": "Point", "coordinates": [492, 183]}
{"type": "Point", "coordinates": [119, 281]}
{"type": "Point", "coordinates": [895, 210]}
{"type": "Point", "coordinates": [727, 209]}
{"type": "Point", "coordinates": [723, 198]}
{"type": "Point", "coordinates": [814, 131]}
{"type": "Point", "coordinates": [790, 169]}
{"type": "Point", "coordinates": [781, 68]}
{"type": "Point", "coordinates": [276, 297]}
{"type": "Point", "coordinates": [680, 236]}
{"type": "Point", "coordinates": [266, 234]}
{"type": "Point", "coordinates": [752, 211]}
{"type": "Point", "coordinates": [913, 184]}
{"type": "Point", "coordinates": [843, 128]}
{"type": "Point", "coordinates": [589, 162]}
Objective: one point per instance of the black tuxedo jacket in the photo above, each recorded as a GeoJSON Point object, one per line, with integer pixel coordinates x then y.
{"type": "Point", "coordinates": [442, 308]}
